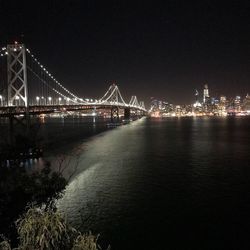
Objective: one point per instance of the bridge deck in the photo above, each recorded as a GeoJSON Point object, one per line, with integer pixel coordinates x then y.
{"type": "Point", "coordinates": [48, 109]}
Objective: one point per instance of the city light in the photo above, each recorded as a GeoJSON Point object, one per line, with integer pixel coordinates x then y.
{"type": "Point", "coordinates": [37, 100]}
{"type": "Point", "coordinates": [209, 106]}
{"type": "Point", "coordinates": [50, 99]}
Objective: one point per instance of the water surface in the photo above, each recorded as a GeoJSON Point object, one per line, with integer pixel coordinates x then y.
{"type": "Point", "coordinates": [180, 183]}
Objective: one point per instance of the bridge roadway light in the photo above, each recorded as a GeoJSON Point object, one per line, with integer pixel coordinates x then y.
{"type": "Point", "coordinates": [49, 98]}
{"type": "Point", "coordinates": [37, 100]}
{"type": "Point", "coordinates": [68, 100]}
{"type": "Point", "coordinates": [59, 100]}
{"type": "Point", "coordinates": [17, 100]}
{"type": "Point", "coordinates": [1, 100]}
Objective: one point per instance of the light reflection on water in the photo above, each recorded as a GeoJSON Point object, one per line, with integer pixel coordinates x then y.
{"type": "Point", "coordinates": [103, 172]}
{"type": "Point", "coordinates": [166, 179]}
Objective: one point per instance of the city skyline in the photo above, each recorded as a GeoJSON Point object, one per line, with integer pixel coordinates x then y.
{"type": "Point", "coordinates": [203, 105]}
{"type": "Point", "coordinates": [199, 95]}
{"type": "Point", "coordinates": [168, 49]}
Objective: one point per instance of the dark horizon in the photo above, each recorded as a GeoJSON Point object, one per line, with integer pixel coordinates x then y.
{"type": "Point", "coordinates": [162, 50]}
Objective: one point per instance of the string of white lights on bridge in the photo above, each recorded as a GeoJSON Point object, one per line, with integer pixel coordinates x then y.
{"type": "Point", "coordinates": [111, 97]}
{"type": "Point", "coordinates": [53, 78]}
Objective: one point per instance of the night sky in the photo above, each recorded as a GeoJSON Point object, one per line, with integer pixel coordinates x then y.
{"type": "Point", "coordinates": [155, 49]}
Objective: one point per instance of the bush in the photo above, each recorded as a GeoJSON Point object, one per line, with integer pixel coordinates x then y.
{"type": "Point", "coordinates": [19, 188]}
{"type": "Point", "coordinates": [40, 229]}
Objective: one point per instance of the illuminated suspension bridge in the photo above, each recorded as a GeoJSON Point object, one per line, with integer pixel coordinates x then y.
{"type": "Point", "coordinates": [30, 89]}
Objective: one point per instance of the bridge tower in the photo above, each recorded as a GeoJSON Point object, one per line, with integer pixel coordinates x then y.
{"type": "Point", "coordinates": [115, 100]}
{"type": "Point", "coordinates": [17, 75]}
{"type": "Point", "coordinates": [114, 114]}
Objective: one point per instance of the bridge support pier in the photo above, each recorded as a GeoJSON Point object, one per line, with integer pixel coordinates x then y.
{"type": "Point", "coordinates": [94, 115]}
{"type": "Point", "coordinates": [127, 114]}
{"type": "Point", "coordinates": [20, 125]}
{"type": "Point", "coordinates": [114, 114]}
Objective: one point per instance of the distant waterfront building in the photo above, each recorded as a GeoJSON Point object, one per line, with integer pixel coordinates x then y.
{"type": "Point", "coordinates": [246, 103]}
{"type": "Point", "coordinates": [215, 106]}
{"type": "Point", "coordinates": [154, 105]}
{"type": "Point", "coordinates": [223, 99]}
{"type": "Point", "coordinates": [178, 110]}
{"type": "Point", "coordinates": [197, 105]}
{"type": "Point", "coordinates": [164, 105]}
{"type": "Point", "coordinates": [207, 107]}
{"type": "Point", "coordinates": [230, 105]}
{"type": "Point", "coordinates": [237, 103]}
{"type": "Point", "coordinates": [160, 106]}
{"type": "Point", "coordinates": [196, 96]}
{"type": "Point", "coordinates": [222, 105]}
{"type": "Point", "coordinates": [205, 94]}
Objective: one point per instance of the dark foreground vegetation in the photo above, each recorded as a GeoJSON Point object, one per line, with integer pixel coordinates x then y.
{"type": "Point", "coordinates": [40, 229]}
{"type": "Point", "coordinates": [28, 216]}
{"type": "Point", "coordinates": [19, 188]}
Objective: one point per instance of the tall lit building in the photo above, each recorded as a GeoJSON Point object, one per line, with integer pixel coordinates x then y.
{"type": "Point", "coordinates": [196, 96]}
{"type": "Point", "coordinates": [154, 104]}
{"type": "Point", "coordinates": [205, 93]}
{"type": "Point", "coordinates": [197, 103]}
{"type": "Point", "coordinates": [223, 99]}
{"type": "Point", "coordinates": [237, 103]}
{"type": "Point", "coordinates": [246, 103]}
{"type": "Point", "coordinates": [223, 105]}
{"type": "Point", "coordinates": [160, 106]}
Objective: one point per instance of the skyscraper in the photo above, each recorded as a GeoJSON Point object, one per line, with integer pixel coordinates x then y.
{"type": "Point", "coordinates": [196, 96]}
{"type": "Point", "coordinates": [237, 103]}
{"type": "Point", "coordinates": [246, 104]}
{"type": "Point", "coordinates": [197, 103]}
{"type": "Point", "coordinates": [205, 93]}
